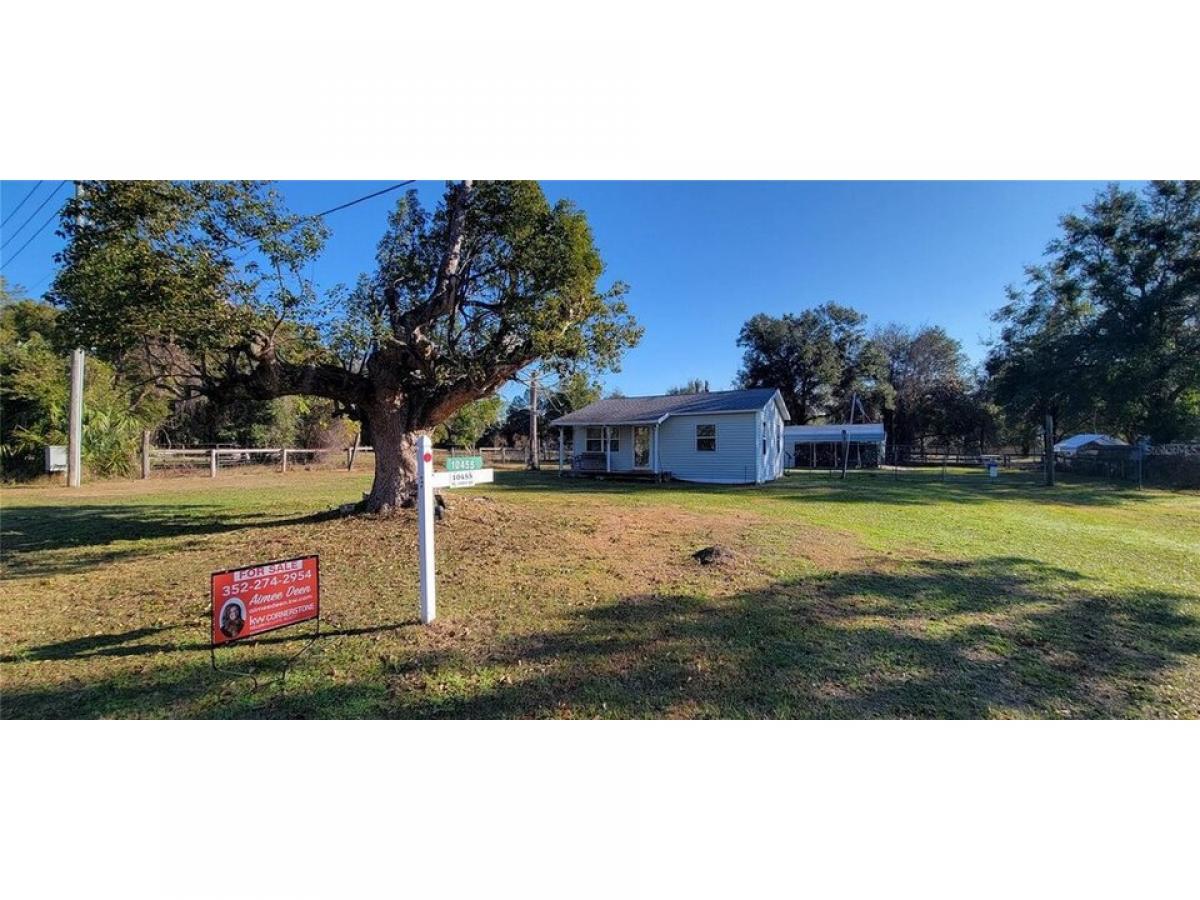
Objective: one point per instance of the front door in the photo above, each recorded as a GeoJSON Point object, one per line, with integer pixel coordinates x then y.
{"type": "Point", "coordinates": [641, 447]}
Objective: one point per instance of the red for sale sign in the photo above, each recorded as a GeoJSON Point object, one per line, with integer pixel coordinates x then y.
{"type": "Point", "coordinates": [249, 601]}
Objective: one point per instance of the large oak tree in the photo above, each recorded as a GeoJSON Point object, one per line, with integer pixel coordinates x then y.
{"type": "Point", "coordinates": [205, 288]}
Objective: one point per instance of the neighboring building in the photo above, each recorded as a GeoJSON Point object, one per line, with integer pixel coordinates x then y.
{"type": "Point", "coordinates": [722, 437]}
{"type": "Point", "coordinates": [1086, 443]}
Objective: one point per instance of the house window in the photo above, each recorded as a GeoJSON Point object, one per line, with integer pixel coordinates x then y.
{"type": "Point", "coordinates": [595, 441]}
{"type": "Point", "coordinates": [764, 438]}
{"type": "Point", "coordinates": [706, 437]}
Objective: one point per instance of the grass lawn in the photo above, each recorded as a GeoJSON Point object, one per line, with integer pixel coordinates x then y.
{"type": "Point", "coordinates": [876, 596]}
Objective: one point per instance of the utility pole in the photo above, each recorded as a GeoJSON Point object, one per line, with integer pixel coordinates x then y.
{"type": "Point", "coordinates": [534, 461]}
{"type": "Point", "coordinates": [75, 415]}
{"type": "Point", "coordinates": [75, 422]}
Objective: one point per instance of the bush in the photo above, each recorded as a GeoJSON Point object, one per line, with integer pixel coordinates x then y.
{"type": "Point", "coordinates": [35, 394]}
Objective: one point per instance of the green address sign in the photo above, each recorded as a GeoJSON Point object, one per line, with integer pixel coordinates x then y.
{"type": "Point", "coordinates": [463, 463]}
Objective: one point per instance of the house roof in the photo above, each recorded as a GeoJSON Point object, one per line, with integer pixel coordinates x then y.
{"type": "Point", "coordinates": [1075, 441]}
{"type": "Point", "coordinates": [859, 433]}
{"type": "Point", "coordinates": [652, 410]}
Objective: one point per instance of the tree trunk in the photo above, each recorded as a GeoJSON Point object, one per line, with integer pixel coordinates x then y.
{"type": "Point", "coordinates": [395, 484]}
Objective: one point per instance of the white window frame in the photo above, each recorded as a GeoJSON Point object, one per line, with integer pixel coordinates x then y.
{"type": "Point", "coordinates": [614, 439]}
{"type": "Point", "coordinates": [713, 438]}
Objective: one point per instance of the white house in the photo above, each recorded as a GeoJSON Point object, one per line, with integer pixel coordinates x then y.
{"type": "Point", "coordinates": [722, 437]}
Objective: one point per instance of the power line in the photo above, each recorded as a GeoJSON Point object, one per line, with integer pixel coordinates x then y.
{"type": "Point", "coordinates": [13, 214]}
{"type": "Point", "coordinates": [41, 228]}
{"type": "Point", "coordinates": [313, 216]}
{"type": "Point", "coordinates": [30, 219]}
{"type": "Point", "coordinates": [33, 290]}
{"type": "Point", "coordinates": [361, 199]}
{"type": "Point", "coordinates": [334, 209]}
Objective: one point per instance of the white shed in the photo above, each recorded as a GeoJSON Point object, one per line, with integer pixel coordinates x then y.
{"type": "Point", "coordinates": [720, 437]}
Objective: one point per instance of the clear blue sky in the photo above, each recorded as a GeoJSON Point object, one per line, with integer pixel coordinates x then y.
{"type": "Point", "coordinates": [702, 257]}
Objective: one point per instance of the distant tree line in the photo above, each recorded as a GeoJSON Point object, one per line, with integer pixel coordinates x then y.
{"type": "Point", "coordinates": [34, 375]}
{"type": "Point", "coordinates": [1104, 336]}
{"type": "Point", "coordinates": [34, 389]}
{"type": "Point", "coordinates": [915, 380]}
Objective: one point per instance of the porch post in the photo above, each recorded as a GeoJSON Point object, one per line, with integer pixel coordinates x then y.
{"type": "Point", "coordinates": [654, 458]}
{"type": "Point", "coordinates": [560, 451]}
{"type": "Point", "coordinates": [607, 449]}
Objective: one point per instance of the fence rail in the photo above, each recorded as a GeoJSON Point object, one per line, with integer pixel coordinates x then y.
{"type": "Point", "coordinates": [241, 455]}
{"type": "Point", "coordinates": [217, 458]}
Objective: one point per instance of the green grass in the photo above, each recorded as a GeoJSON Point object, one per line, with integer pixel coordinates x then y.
{"type": "Point", "coordinates": [876, 596]}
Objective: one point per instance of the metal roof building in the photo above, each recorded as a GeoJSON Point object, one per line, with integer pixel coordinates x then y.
{"type": "Point", "coordinates": [863, 433]}
{"type": "Point", "coordinates": [1077, 443]}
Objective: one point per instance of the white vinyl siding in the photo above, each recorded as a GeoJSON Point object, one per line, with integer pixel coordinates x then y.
{"type": "Point", "coordinates": [737, 459]}
{"type": "Point", "coordinates": [772, 431]}
{"type": "Point", "coordinates": [732, 462]}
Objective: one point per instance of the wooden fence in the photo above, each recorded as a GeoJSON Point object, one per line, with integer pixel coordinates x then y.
{"type": "Point", "coordinates": [216, 458]}
{"type": "Point", "coordinates": [213, 456]}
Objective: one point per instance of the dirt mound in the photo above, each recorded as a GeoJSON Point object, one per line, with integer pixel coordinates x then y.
{"type": "Point", "coordinates": [717, 554]}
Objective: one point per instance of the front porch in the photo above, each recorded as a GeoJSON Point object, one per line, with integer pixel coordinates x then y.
{"type": "Point", "coordinates": [627, 449]}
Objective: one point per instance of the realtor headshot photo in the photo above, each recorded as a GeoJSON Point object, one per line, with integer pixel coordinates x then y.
{"type": "Point", "coordinates": [233, 618]}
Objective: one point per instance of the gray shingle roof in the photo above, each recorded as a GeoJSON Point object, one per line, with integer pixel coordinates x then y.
{"type": "Point", "coordinates": [648, 410]}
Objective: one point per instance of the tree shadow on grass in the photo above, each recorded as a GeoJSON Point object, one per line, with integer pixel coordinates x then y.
{"type": "Point", "coordinates": [910, 490]}
{"type": "Point", "coordinates": [29, 531]}
{"type": "Point", "coordinates": [866, 487]}
{"type": "Point", "coordinates": [1003, 636]}
{"type": "Point", "coordinates": [248, 684]}
{"type": "Point", "coordinates": [131, 643]}
{"type": "Point", "coordinates": [937, 640]}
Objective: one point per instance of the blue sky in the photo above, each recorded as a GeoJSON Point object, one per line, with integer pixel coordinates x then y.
{"type": "Point", "coordinates": [702, 257]}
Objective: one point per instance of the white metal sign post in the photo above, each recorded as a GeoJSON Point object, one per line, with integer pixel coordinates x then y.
{"type": "Point", "coordinates": [425, 528]}
{"type": "Point", "coordinates": [427, 480]}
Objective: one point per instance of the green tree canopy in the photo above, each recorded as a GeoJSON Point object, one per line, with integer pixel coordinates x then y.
{"type": "Point", "coordinates": [204, 287]}
{"type": "Point", "coordinates": [813, 358]}
{"type": "Point", "coordinates": [1106, 331]}
{"type": "Point", "coordinates": [470, 422]}
{"type": "Point", "coordinates": [691, 386]}
{"type": "Point", "coordinates": [34, 393]}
